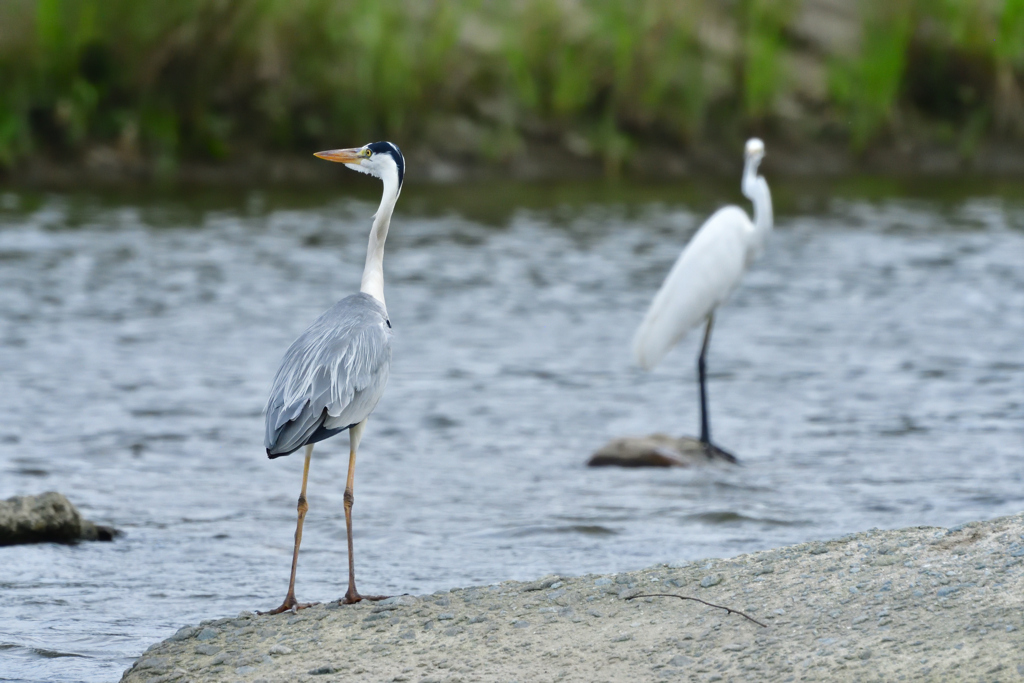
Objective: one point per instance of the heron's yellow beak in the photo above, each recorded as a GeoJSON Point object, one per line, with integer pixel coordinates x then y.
{"type": "Point", "coordinates": [341, 156]}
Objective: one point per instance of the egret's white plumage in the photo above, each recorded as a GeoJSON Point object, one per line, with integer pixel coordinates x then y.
{"type": "Point", "coordinates": [704, 276]}
{"type": "Point", "coordinates": [708, 269]}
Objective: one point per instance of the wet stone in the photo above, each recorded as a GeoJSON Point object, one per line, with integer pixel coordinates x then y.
{"type": "Point", "coordinates": [542, 584]}
{"type": "Point", "coordinates": [154, 663]}
{"type": "Point", "coordinates": [207, 634]}
{"type": "Point", "coordinates": [185, 633]}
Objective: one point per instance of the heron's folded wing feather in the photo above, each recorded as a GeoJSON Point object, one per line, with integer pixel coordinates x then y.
{"type": "Point", "coordinates": [342, 355]}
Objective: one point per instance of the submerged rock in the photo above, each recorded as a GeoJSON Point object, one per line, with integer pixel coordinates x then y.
{"type": "Point", "coordinates": [47, 518]}
{"type": "Point", "coordinates": [656, 450]}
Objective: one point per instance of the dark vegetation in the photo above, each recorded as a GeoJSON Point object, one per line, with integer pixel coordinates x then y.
{"type": "Point", "coordinates": [149, 85]}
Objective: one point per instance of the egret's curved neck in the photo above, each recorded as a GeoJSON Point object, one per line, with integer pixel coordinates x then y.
{"type": "Point", "coordinates": [755, 188]}
{"type": "Point", "coordinates": [373, 271]}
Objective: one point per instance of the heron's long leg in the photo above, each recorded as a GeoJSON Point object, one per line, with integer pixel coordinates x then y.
{"type": "Point", "coordinates": [289, 601]}
{"type": "Point", "coordinates": [705, 431]}
{"type": "Point", "coordinates": [352, 595]}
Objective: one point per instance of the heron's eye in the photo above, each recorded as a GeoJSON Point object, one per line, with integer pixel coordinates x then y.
{"type": "Point", "coordinates": [366, 153]}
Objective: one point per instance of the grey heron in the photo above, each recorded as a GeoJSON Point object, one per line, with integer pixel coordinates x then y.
{"type": "Point", "coordinates": [703, 277]}
{"type": "Point", "coordinates": [332, 376]}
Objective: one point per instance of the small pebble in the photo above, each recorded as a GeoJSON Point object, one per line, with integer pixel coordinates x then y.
{"type": "Point", "coordinates": [322, 670]}
{"type": "Point", "coordinates": [679, 660]}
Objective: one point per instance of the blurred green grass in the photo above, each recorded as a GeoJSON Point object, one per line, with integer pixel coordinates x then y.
{"type": "Point", "coordinates": [158, 83]}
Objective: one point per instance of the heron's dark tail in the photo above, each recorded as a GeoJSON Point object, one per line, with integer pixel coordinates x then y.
{"type": "Point", "coordinates": [318, 435]}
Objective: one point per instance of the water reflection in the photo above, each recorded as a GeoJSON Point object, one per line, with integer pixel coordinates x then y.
{"type": "Point", "coordinates": [868, 372]}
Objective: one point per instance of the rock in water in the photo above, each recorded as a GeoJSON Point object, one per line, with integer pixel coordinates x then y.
{"type": "Point", "coordinates": [656, 450]}
{"type": "Point", "coordinates": [46, 518]}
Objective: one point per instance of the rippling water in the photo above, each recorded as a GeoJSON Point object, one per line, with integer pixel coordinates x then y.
{"type": "Point", "coordinates": [869, 372]}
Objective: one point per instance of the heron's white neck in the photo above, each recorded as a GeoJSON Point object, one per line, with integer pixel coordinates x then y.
{"type": "Point", "coordinates": [373, 271]}
{"type": "Point", "coordinates": [755, 188]}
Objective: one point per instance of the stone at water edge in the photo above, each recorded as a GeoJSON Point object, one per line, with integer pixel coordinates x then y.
{"type": "Point", "coordinates": [656, 450]}
{"type": "Point", "coordinates": [47, 518]}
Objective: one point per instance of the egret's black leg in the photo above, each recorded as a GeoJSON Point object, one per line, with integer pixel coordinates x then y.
{"type": "Point", "coordinates": [705, 432]}
{"type": "Point", "coordinates": [352, 596]}
{"type": "Point", "coordinates": [289, 601]}
{"type": "Point", "coordinates": [710, 449]}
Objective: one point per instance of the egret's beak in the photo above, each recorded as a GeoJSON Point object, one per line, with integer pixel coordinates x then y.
{"type": "Point", "coordinates": [341, 156]}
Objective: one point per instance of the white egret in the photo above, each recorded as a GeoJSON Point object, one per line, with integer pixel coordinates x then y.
{"type": "Point", "coordinates": [333, 375]}
{"type": "Point", "coordinates": [703, 277]}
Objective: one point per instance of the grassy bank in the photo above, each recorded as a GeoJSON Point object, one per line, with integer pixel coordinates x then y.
{"type": "Point", "coordinates": [150, 85]}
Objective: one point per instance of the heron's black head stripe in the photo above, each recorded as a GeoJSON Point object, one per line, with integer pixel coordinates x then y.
{"type": "Point", "coordinates": [396, 154]}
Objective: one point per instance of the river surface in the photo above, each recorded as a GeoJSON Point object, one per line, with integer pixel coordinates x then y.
{"type": "Point", "coordinates": [869, 372]}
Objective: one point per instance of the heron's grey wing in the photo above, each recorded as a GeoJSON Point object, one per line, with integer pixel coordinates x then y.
{"type": "Point", "coordinates": [332, 376]}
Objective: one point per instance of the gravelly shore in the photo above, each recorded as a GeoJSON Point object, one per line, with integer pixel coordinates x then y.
{"type": "Point", "coordinates": [922, 603]}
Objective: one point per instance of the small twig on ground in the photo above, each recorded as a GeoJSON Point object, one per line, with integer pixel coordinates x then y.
{"type": "Point", "coordinates": [686, 597]}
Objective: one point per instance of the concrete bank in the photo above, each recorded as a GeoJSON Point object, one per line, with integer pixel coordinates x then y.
{"type": "Point", "coordinates": [910, 604]}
